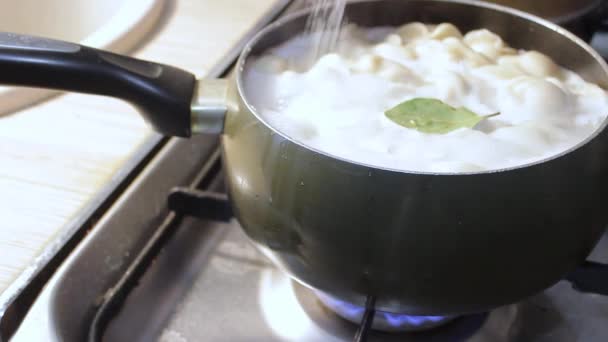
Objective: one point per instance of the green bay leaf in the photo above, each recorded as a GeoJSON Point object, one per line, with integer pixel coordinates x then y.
{"type": "Point", "coordinates": [433, 116]}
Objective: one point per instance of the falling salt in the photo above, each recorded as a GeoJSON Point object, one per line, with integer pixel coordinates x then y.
{"type": "Point", "coordinates": [324, 26]}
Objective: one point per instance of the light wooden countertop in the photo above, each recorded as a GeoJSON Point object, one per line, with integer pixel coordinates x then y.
{"type": "Point", "coordinates": [56, 156]}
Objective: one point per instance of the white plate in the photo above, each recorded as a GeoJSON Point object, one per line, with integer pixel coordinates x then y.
{"type": "Point", "coordinates": [116, 25]}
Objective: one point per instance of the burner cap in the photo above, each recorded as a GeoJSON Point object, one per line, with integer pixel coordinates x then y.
{"type": "Point", "coordinates": [383, 321]}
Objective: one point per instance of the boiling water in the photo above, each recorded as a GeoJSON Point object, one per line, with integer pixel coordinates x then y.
{"type": "Point", "coordinates": [337, 105]}
{"type": "Point", "coordinates": [324, 26]}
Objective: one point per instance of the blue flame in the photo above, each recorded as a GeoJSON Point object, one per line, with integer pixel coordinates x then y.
{"type": "Point", "coordinates": [355, 312]}
{"type": "Point", "coordinates": [398, 320]}
{"type": "Point", "coordinates": [351, 310]}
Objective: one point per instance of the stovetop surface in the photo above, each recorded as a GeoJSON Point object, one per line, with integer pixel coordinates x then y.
{"type": "Point", "coordinates": [211, 284]}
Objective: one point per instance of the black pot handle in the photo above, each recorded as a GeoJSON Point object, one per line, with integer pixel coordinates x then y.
{"type": "Point", "coordinates": [163, 94]}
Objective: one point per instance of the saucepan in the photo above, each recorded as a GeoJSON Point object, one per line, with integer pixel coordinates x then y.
{"type": "Point", "coordinates": [421, 243]}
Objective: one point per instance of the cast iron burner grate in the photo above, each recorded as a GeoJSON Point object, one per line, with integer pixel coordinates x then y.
{"type": "Point", "coordinates": [591, 277]}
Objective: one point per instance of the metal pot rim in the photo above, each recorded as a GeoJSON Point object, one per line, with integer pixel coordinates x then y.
{"type": "Point", "coordinates": [241, 63]}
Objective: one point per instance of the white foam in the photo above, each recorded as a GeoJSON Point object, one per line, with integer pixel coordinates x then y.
{"type": "Point", "coordinates": [338, 104]}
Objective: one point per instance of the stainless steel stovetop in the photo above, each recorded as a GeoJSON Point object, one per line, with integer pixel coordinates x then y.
{"type": "Point", "coordinates": [235, 294]}
{"type": "Point", "coordinates": [207, 283]}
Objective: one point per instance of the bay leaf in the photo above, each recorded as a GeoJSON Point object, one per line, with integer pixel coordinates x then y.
{"type": "Point", "coordinates": [433, 116]}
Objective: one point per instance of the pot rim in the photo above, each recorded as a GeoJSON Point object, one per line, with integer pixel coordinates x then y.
{"type": "Point", "coordinates": [245, 54]}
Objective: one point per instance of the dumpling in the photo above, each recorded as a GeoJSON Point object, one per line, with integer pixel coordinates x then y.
{"type": "Point", "coordinates": [412, 31]}
{"type": "Point", "coordinates": [445, 30]}
{"type": "Point", "coordinates": [532, 63]}
{"type": "Point", "coordinates": [487, 44]}
{"type": "Point", "coordinates": [461, 52]}
{"type": "Point", "coordinates": [530, 98]}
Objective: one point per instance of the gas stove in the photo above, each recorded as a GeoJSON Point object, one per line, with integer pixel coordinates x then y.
{"type": "Point", "coordinates": [166, 260]}
{"type": "Point", "coordinates": [235, 294]}
{"type": "Point", "coordinates": [199, 279]}
{"type": "Point", "coordinates": [204, 281]}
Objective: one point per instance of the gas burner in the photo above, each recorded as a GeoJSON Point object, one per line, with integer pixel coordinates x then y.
{"type": "Point", "coordinates": [295, 313]}
{"type": "Point", "coordinates": [383, 321]}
